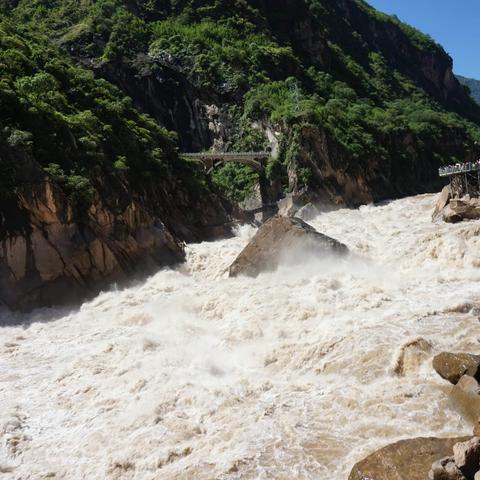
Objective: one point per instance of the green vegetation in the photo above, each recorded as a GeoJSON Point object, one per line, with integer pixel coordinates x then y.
{"type": "Point", "coordinates": [78, 128]}
{"type": "Point", "coordinates": [360, 94]}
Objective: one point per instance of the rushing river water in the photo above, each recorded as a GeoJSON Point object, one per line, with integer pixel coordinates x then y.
{"type": "Point", "coordinates": [296, 374]}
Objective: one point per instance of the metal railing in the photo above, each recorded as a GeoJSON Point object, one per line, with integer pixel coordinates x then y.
{"type": "Point", "coordinates": [459, 168]}
{"type": "Point", "coordinates": [226, 155]}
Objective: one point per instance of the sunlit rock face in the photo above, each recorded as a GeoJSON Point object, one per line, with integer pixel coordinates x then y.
{"type": "Point", "coordinates": [55, 259]}
{"type": "Point", "coordinates": [54, 253]}
{"type": "Point", "coordinates": [284, 240]}
{"type": "Point", "coordinates": [454, 210]}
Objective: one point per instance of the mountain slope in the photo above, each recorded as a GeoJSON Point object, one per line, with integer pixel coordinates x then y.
{"type": "Point", "coordinates": [473, 85]}
{"type": "Point", "coordinates": [356, 106]}
{"type": "Point", "coordinates": [364, 107]}
{"type": "Point", "coordinates": [91, 190]}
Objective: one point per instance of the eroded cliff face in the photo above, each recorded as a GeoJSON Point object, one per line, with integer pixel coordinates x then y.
{"type": "Point", "coordinates": [55, 259]}
{"type": "Point", "coordinates": [50, 254]}
{"type": "Point", "coordinates": [408, 168]}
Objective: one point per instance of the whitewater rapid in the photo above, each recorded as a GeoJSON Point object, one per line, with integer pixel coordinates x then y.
{"type": "Point", "coordinates": [296, 374]}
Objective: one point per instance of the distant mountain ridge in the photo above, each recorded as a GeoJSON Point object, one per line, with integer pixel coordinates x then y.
{"type": "Point", "coordinates": [473, 85]}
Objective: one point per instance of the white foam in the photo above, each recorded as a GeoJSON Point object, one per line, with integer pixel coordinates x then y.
{"type": "Point", "coordinates": [195, 375]}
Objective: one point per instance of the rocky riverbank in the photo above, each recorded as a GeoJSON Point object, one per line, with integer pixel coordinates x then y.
{"type": "Point", "coordinates": [52, 254]}
{"type": "Point", "coordinates": [440, 458]}
{"type": "Point", "coordinates": [454, 210]}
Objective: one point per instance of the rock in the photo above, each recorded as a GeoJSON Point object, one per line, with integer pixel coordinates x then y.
{"type": "Point", "coordinates": [467, 456]}
{"type": "Point", "coordinates": [445, 469]}
{"type": "Point", "coordinates": [57, 259]}
{"type": "Point", "coordinates": [461, 209]}
{"type": "Point", "coordinates": [452, 366]}
{"type": "Point", "coordinates": [308, 212]}
{"type": "Point", "coordinates": [465, 399]}
{"type": "Point", "coordinates": [287, 207]}
{"type": "Point", "coordinates": [282, 239]}
{"type": "Point", "coordinates": [404, 460]}
{"type": "Point", "coordinates": [411, 355]}
{"type": "Point", "coordinates": [442, 202]}
{"type": "Point", "coordinates": [455, 210]}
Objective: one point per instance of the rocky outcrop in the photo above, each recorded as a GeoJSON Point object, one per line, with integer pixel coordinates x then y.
{"type": "Point", "coordinates": [52, 253]}
{"type": "Point", "coordinates": [55, 259]}
{"type": "Point", "coordinates": [442, 201]}
{"type": "Point", "coordinates": [282, 239]}
{"type": "Point", "coordinates": [465, 399]}
{"type": "Point", "coordinates": [452, 366]}
{"type": "Point", "coordinates": [461, 209]}
{"type": "Point", "coordinates": [454, 210]}
{"type": "Point", "coordinates": [405, 460]}
{"type": "Point", "coordinates": [411, 355]}
{"type": "Point", "coordinates": [464, 464]}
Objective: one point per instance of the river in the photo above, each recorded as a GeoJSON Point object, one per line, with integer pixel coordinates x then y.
{"type": "Point", "coordinates": [296, 374]}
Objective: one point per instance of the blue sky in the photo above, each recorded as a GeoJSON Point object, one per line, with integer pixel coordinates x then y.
{"type": "Point", "coordinates": [455, 24]}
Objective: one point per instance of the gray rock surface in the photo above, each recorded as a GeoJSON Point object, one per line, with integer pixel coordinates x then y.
{"type": "Point", "coordinates": [283, 239]}
{"type": "Point", "coordinates": [445, 469]}
{"type": "Point", "coordinates": [404, 460]}
{"type": "Point", "coordinates": [452, 366]}
{"type": "Point", "coordinates": [467, 456]}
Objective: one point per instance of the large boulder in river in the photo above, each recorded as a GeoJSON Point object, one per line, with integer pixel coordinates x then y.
{"type": "Point", "coordinates": [467, 457]}
{"type": "Point", "coordinates": [452, 366]}
{"type": "Point", "coordinates": [405, 460]}
{"type": "Point", "coordinates": [282, 239]}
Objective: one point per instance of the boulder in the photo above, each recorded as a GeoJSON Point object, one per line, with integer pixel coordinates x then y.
{"type": "Point", "coordinates": [442, 202]}
{"type": "Point", "coordinates": [455, 210]}
{"type": "Point", "coordinates": [411, 355]}
{"type": "Point", "coordinates": [445, 469]}
{"type": "Point", "coordinates": [283, 239]}
{"type": "Point", "coordinates": [465, 399]}
{"type": "Point", "coordinates": [452, 366]}
{"type": "Point", "coordinates": [467, 456]}
{"type": "Point", "coordinates": [462, 209]}
{"type": "Point", "coordinates": [404, 460]}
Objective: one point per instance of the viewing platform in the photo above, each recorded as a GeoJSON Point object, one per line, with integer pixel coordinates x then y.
{"type": "Point", "coordinates": [459, 168]}
{"type": "Point", "coordinates": [464, 178]}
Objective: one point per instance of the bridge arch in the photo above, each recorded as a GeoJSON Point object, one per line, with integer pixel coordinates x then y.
{"type": "Point", "coordinates": [255, 160]}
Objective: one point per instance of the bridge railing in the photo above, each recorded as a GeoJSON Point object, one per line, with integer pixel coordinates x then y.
{"type": "Point", "coordinates": [459, 168]}
{"type": "Point", "coordinates": [225, 154]}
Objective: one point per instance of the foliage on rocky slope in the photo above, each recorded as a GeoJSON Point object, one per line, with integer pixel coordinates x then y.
{"type": "Point", "coordinates": [80, 131]}
{"type": "Point", "coordinates": [91, 190]}
{"type": "Point", "coordinates": [362, 80]}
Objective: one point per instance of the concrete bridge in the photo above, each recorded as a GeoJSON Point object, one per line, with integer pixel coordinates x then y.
{"type": "Point", "coordinates": [256, 160]}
